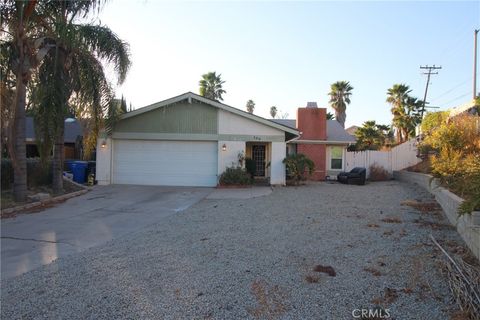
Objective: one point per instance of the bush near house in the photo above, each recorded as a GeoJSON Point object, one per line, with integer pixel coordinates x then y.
{"type": "Point", "coordinates": [250, 166]}
{"type": "Point", "coordinates": [456, 158]}
{"type": "Point", "coordinates": [378, 173]}
{"type": "Point", "coordinates": [37, 173]}
{"type": "Point", "coordinates": [235, 176]}
{"type": "Point", "coordinates": [299, 167]}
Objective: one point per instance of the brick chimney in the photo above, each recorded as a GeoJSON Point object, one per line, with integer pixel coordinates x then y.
{"type": "Point", "coordinates": [312, 122]}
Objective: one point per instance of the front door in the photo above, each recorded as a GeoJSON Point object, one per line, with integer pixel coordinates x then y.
{"type": "Point", "coordinates": [258, 156]}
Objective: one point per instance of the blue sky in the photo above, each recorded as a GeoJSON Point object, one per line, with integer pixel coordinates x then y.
{"type": "Point", "coordinates": [288, 53]}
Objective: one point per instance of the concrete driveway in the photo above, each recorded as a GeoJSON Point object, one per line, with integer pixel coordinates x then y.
{"type": "Point", "coordinates": [107, 212]}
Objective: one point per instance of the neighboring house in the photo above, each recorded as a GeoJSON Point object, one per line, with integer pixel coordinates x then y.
{"type": "Point", "coordinates": [324, 141]}
{"type": "Point", "coordinates": [351, 130]}
{"type": "Point", "coordinates": [189, 140]}
{"type": "Point", "coordinates": [72, 139]}
{"type": "Point", "coordinates": [466, 108]}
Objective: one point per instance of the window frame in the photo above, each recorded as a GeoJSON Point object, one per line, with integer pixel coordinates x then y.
{"type": "Point", "coordinates": [342, 158]}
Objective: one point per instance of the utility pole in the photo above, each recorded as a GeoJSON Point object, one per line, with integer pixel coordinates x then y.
{"type": "Point", "coordinates": [475, 33]}
{"type": "Point", "coordinates": [428, 73]}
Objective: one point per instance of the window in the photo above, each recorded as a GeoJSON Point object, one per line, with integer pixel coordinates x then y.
{"type": "Point", "coordinates": [336, 158]}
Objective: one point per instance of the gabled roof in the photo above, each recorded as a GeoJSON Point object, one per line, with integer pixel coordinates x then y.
{"type": "Point", "coordinates": [73, 129]}
{"type": "Point", "coordinates": [192, 96]}
{"type": "Point", "coordinates": [335, 132]}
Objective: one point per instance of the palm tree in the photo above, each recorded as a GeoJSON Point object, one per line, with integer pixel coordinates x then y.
{"type": "Point", "coordinates": [405, 110]}
{"type": "Point", "coordinates": [250, 106]}
{"type": "Point", "coordinates": [371, 136]}
{"type": "Point", "coordinates": [211, 86]}
{"type": "Point", "coordinates": [73, 71]}
{"type": "Point", "coordinates": [273, 112]}
{"type": "Point", "coordinates": [25, 51]}
{"type": "Point", "coordinates": [330, 116]}
{"type": "Point", "coordinates": [340, 93]}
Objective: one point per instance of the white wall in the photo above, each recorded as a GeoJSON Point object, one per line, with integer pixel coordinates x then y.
{"type": "Point", "coordinates": [103, 162]}
{"type": "Point", "coordinates": [398, 158]}
{"type": "Point", "coordinates": [277, 167]}
{"type": "Point", "coordinates": [405, 155]}
{"type": "Point", "coordinates": [229, 123]}
{"type": "Point", "coordinates": [230, 155]}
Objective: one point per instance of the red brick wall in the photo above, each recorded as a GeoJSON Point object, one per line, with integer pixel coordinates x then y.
{"type": "Point", "coordinates": [312, 123]}
{"type": "Point", "coordinates": [318, 154]}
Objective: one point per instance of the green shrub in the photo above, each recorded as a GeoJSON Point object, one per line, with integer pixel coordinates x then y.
{"type": "Point", "coordinates": [250, 166]}
{"type": "Point", "coordinates": [37, 173]}
{"type": "Point", "coordinates": [457, 162]}
{"type": "Point", "coordinates": [235, 176]}
{"type": "Point", "coordinates": [299, 166]}
{"type": "Point", "coordinates": [433, 120]}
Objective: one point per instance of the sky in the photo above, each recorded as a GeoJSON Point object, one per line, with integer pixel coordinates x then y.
{"type": "Point", "coordinates": [284, 54]}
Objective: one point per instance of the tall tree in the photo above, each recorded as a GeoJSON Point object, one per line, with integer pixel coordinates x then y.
{"type": "Point", "coordinates": [250, 106]}
{"type": "Point", "coordinates": [74, 71]}
{"type": "Point", "coordinates": [273, 112]}
{"type": "Point", "coordinates": [26, 50]}
{"type": "Point", "coordinates": [340, 93]}
{"type": "Point", "coordinates": [405, 110]}
{"type": "Point", "coordinates": [211, 86]}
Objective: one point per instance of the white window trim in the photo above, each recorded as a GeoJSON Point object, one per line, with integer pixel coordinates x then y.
{"type": "Point", "coordinates": [330, 158]}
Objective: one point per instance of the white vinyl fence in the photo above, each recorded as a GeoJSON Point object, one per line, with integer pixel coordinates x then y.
{"type": "Point", "coordinates": [398, 158]}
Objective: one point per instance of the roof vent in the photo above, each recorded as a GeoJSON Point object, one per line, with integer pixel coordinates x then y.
{"type": "Point", "coordinates": [312, 105]}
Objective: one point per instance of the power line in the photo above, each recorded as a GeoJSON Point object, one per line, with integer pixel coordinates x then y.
{"type": "Point", "coordinates": [451, 89]}
{"type": "Point", "coordinates": [457, 98]}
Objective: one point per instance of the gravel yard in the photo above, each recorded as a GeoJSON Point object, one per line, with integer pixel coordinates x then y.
{"type": "Point", "coordinates": [255, 258]}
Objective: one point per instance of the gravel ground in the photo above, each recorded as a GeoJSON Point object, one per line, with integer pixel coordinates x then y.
{"type": "Point", "coordinates": [231, 259]}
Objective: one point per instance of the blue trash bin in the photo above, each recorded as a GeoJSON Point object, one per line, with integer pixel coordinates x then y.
{"type": "Point", "coordinates": [69, 165]}
{"type": "Point", "coordinates": [79, 169]}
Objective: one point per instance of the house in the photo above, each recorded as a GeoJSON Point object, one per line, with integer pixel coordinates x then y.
{"type": "Point", "coordinates": [466, 108]}
{"type": "Point", "coordinates": [324, 141]}
{"type": "Point", "coordinates": [73, 135]}
{"type": "Point", "coordinates": [189, 140]}
{"type": "Point", "coordinates": [351, 130]}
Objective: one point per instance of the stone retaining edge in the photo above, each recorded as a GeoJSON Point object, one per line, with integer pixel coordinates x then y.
{"type": "Point", "coordinates": [467, 225]}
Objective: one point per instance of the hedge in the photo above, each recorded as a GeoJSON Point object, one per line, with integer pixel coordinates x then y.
{"type": "Point", "coordinates": [37, 175]}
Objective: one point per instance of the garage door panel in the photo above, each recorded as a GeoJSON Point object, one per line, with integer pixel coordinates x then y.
{"type": "Point", "coordinates": [175, 163]}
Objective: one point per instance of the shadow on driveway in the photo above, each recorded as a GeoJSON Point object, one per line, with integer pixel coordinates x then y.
{"type": "Point", "coordinates": [107, 212]}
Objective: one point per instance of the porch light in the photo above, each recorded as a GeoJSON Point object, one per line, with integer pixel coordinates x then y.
{"type": "Point", "coordinates": [104, 143]}
{"type": "Point", "coordinates": [224, 147]}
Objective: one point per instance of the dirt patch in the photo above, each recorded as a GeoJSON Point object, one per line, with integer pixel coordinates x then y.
{"type": "Point", "coordinates": [423, 207]}
{"type": "Point", "coordinates": [389, 296]}
{"type": "Point", "coordinates": [373, 225]}
{"type": "Point", "coordinates": [392, 220]}
{"type": "Point", "coordinates": [271, 300]}
{"type": "Point", "coordinates": [433, 225]}
{"type": "Point", "coordinates": [312, 279]}
{"type": "Point", "coordinates": [373, 271]}
{"type": "Point", "coordinates": [325, 269]}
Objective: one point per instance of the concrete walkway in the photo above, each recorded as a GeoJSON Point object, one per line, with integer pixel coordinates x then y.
{"type": "Point", "coordinates": [107, 212]}
{"type": "Point", "coordinates": [239, 193]}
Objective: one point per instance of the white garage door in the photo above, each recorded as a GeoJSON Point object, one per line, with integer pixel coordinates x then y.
{"type": "Point", "coordinates": [165, 163]}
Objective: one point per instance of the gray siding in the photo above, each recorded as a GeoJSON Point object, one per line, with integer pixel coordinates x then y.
{"type": "Point", "coordinates": [196, 118]}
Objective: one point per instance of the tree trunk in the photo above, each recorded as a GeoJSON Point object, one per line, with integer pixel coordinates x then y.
{"type": "Point", "coordinates": [20, 150]}
{"type": "Point", "coordinates": [58, 157]}
{"type": "Point", "coordinates": [58, 149]}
